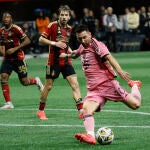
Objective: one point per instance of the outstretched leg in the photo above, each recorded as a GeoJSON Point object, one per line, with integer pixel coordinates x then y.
{"type": "Point", "coordinates": [32, 81]}
{"type": "Point", "coordinates": [89, 107]}
{"type": "Point", "coordinates": [133, 100]}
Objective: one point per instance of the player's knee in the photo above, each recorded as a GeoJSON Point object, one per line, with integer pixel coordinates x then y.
{"type": "Point", "coordinates": [24, 82]}
{"type": "Point", "coordinates": [3, 82]}
{"type": "Point", "coordinates": [4, 78]}
{"type": "Point", "coordinates": [136, 105]}
{"type": "Point", "coordinates": [87, 110]}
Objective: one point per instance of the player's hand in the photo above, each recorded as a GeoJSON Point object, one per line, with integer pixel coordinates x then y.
{"type": "Point", "coordinates": [63, 55]}
{"type": "Point", "coordinates": [125, 75]}
{"type": "Point", "coordinates": [61, 44]}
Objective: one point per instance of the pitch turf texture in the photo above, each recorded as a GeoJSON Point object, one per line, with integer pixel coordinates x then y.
{"type": "Point", "coordinates": [20, 129]}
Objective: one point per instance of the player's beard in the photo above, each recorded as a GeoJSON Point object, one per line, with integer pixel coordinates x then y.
{"type": "Point", "coordinates": [85, 45]}
{"type": "Point", "coordinates": [63, 22]}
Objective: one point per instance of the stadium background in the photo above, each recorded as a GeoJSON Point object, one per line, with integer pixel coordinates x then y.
{"type": "Point", "coordinates": [24, 9]}
{"type": "Point", "coordinates": [27, 10]}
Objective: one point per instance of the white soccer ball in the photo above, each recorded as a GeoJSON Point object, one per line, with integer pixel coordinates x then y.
{"type": "Point", "coordinates": [104, 135]}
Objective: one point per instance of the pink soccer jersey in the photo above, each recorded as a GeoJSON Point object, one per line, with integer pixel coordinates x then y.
{"type": "Point", "coordinates": [93, 63]}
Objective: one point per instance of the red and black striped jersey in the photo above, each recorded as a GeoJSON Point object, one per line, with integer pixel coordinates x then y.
{"type": "Point", "coordinates": [10, 38]}
{"type": "Point", "coordinates": [55, 32]}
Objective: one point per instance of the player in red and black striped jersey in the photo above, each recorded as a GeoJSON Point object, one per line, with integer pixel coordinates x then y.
{"type": "Point", "coordinates": [12, 42]}
{"type": "Point", "coordinates": [57, 35]}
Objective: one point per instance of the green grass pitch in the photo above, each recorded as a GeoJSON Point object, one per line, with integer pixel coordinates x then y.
{"type": "Point", "coordinates": [20, 129]}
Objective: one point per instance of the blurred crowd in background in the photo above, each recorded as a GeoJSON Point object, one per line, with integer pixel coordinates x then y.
{"type": "Point", "coordinates": [105, 27]}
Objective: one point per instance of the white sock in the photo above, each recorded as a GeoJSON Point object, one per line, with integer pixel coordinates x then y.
{"type": "Point", "coordinates": [91, 133]}
{"type": "Point", "coordinates": [9, 103]}
{"type": "Point", "coordinates": [135, 85]}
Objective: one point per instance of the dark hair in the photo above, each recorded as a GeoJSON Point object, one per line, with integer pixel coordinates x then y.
{"type": "Point", "coordinates": [81, 28]}
{"type": "Point", "coordinates": [7, 12]}
{"type": "Point", "coordinates": [64, 8]}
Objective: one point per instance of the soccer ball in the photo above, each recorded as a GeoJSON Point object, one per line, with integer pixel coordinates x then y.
{"type": "Point", "coordinates": [104, 135]}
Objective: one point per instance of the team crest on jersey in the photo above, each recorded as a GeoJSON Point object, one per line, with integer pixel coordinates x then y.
{"type": "Point", "coordinates": [95, 46]}
{"type": "Point", "coordinates": [53, 73]}
{"type": "Point", "coordinates": [98, 49]}
{"type": "Point", "coordinates": [62, 38]}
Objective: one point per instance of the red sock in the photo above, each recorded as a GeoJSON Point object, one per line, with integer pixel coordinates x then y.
{"type": "Point", "coordinates": [79, 104]}
{"type": "Point", "coordinates": [32, 81]}
{"type": "Point", "coordinates": [42, 106]}
{"type": "Point", "coordinates": [6, 92]}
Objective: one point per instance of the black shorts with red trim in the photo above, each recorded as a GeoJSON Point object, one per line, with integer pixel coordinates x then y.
{"type": "Point", "coordinates": [53, 72]}
{"type": "Point", "coordinates": [19, 66]}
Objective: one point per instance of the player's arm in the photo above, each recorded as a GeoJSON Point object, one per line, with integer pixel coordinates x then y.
{"type": "Point", "coordinates": [25, 41]}
{"type": "Point", "coordinates": [123, 74]}
{"type": "Point", "coordinates": [59, 44]}
{"type": "Point", "coordinates": [2, 46]}
{"type": "Point", "coordinates": [2, 50]}
{"type": "Point", "coordinates": [70, 55]}
{"type": "Point", "coordinates": [69, 50]}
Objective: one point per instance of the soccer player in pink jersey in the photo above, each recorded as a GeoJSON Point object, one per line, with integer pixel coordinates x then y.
{"type": "Point", "coordinates": [98, 65]}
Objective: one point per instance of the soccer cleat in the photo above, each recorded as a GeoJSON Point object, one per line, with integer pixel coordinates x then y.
{"type": "Point", "coordinates": [41, 115]}
{"type": "Point", "coordinates": [137, 82]}
{"type": "Point", "coordinates": [7, 106]}
{"type": "Point", "coordinates": [78, 136]}
{"type": "Point", "coordinates": [39, 84]}
{"type": "Point", "coordinates": [85, 138]}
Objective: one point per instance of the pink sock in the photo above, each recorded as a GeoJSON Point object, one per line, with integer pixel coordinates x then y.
{"type": "Point", "coordinates": [135, 92]}
{"type": "Point", "coordinates": [89, 123]}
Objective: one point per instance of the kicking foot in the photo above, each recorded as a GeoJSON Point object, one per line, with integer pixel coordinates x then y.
{"type": "Point", "coordinates": [86, 138]}
{"type": "Point", "coordinates": [137, 82]}
{"type": "Point", "coordinates": [41, 115]}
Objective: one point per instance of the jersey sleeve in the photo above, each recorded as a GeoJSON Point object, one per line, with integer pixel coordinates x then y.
{"type": "Point", "coordinates": [100, 48]}
{"type": "Point", "coordinates": [48, 31]}
{"type": "Point", "coordinates": [78, 51]}
{"type": "Point", "coordinates": [20, 32]}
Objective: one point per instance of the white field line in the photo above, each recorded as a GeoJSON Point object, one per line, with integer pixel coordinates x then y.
{"type": "Point", "coordinates": [113, 111]}
{"type": "Point", "coordinates": [67, 126]}
{"type": "Point", "coordinates": [74, 126]}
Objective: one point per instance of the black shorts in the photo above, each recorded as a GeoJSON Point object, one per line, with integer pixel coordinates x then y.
{"type": "Point", "coordinates": [19, 66]}
{"type": "Point", "coordinates": [53, 72]}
